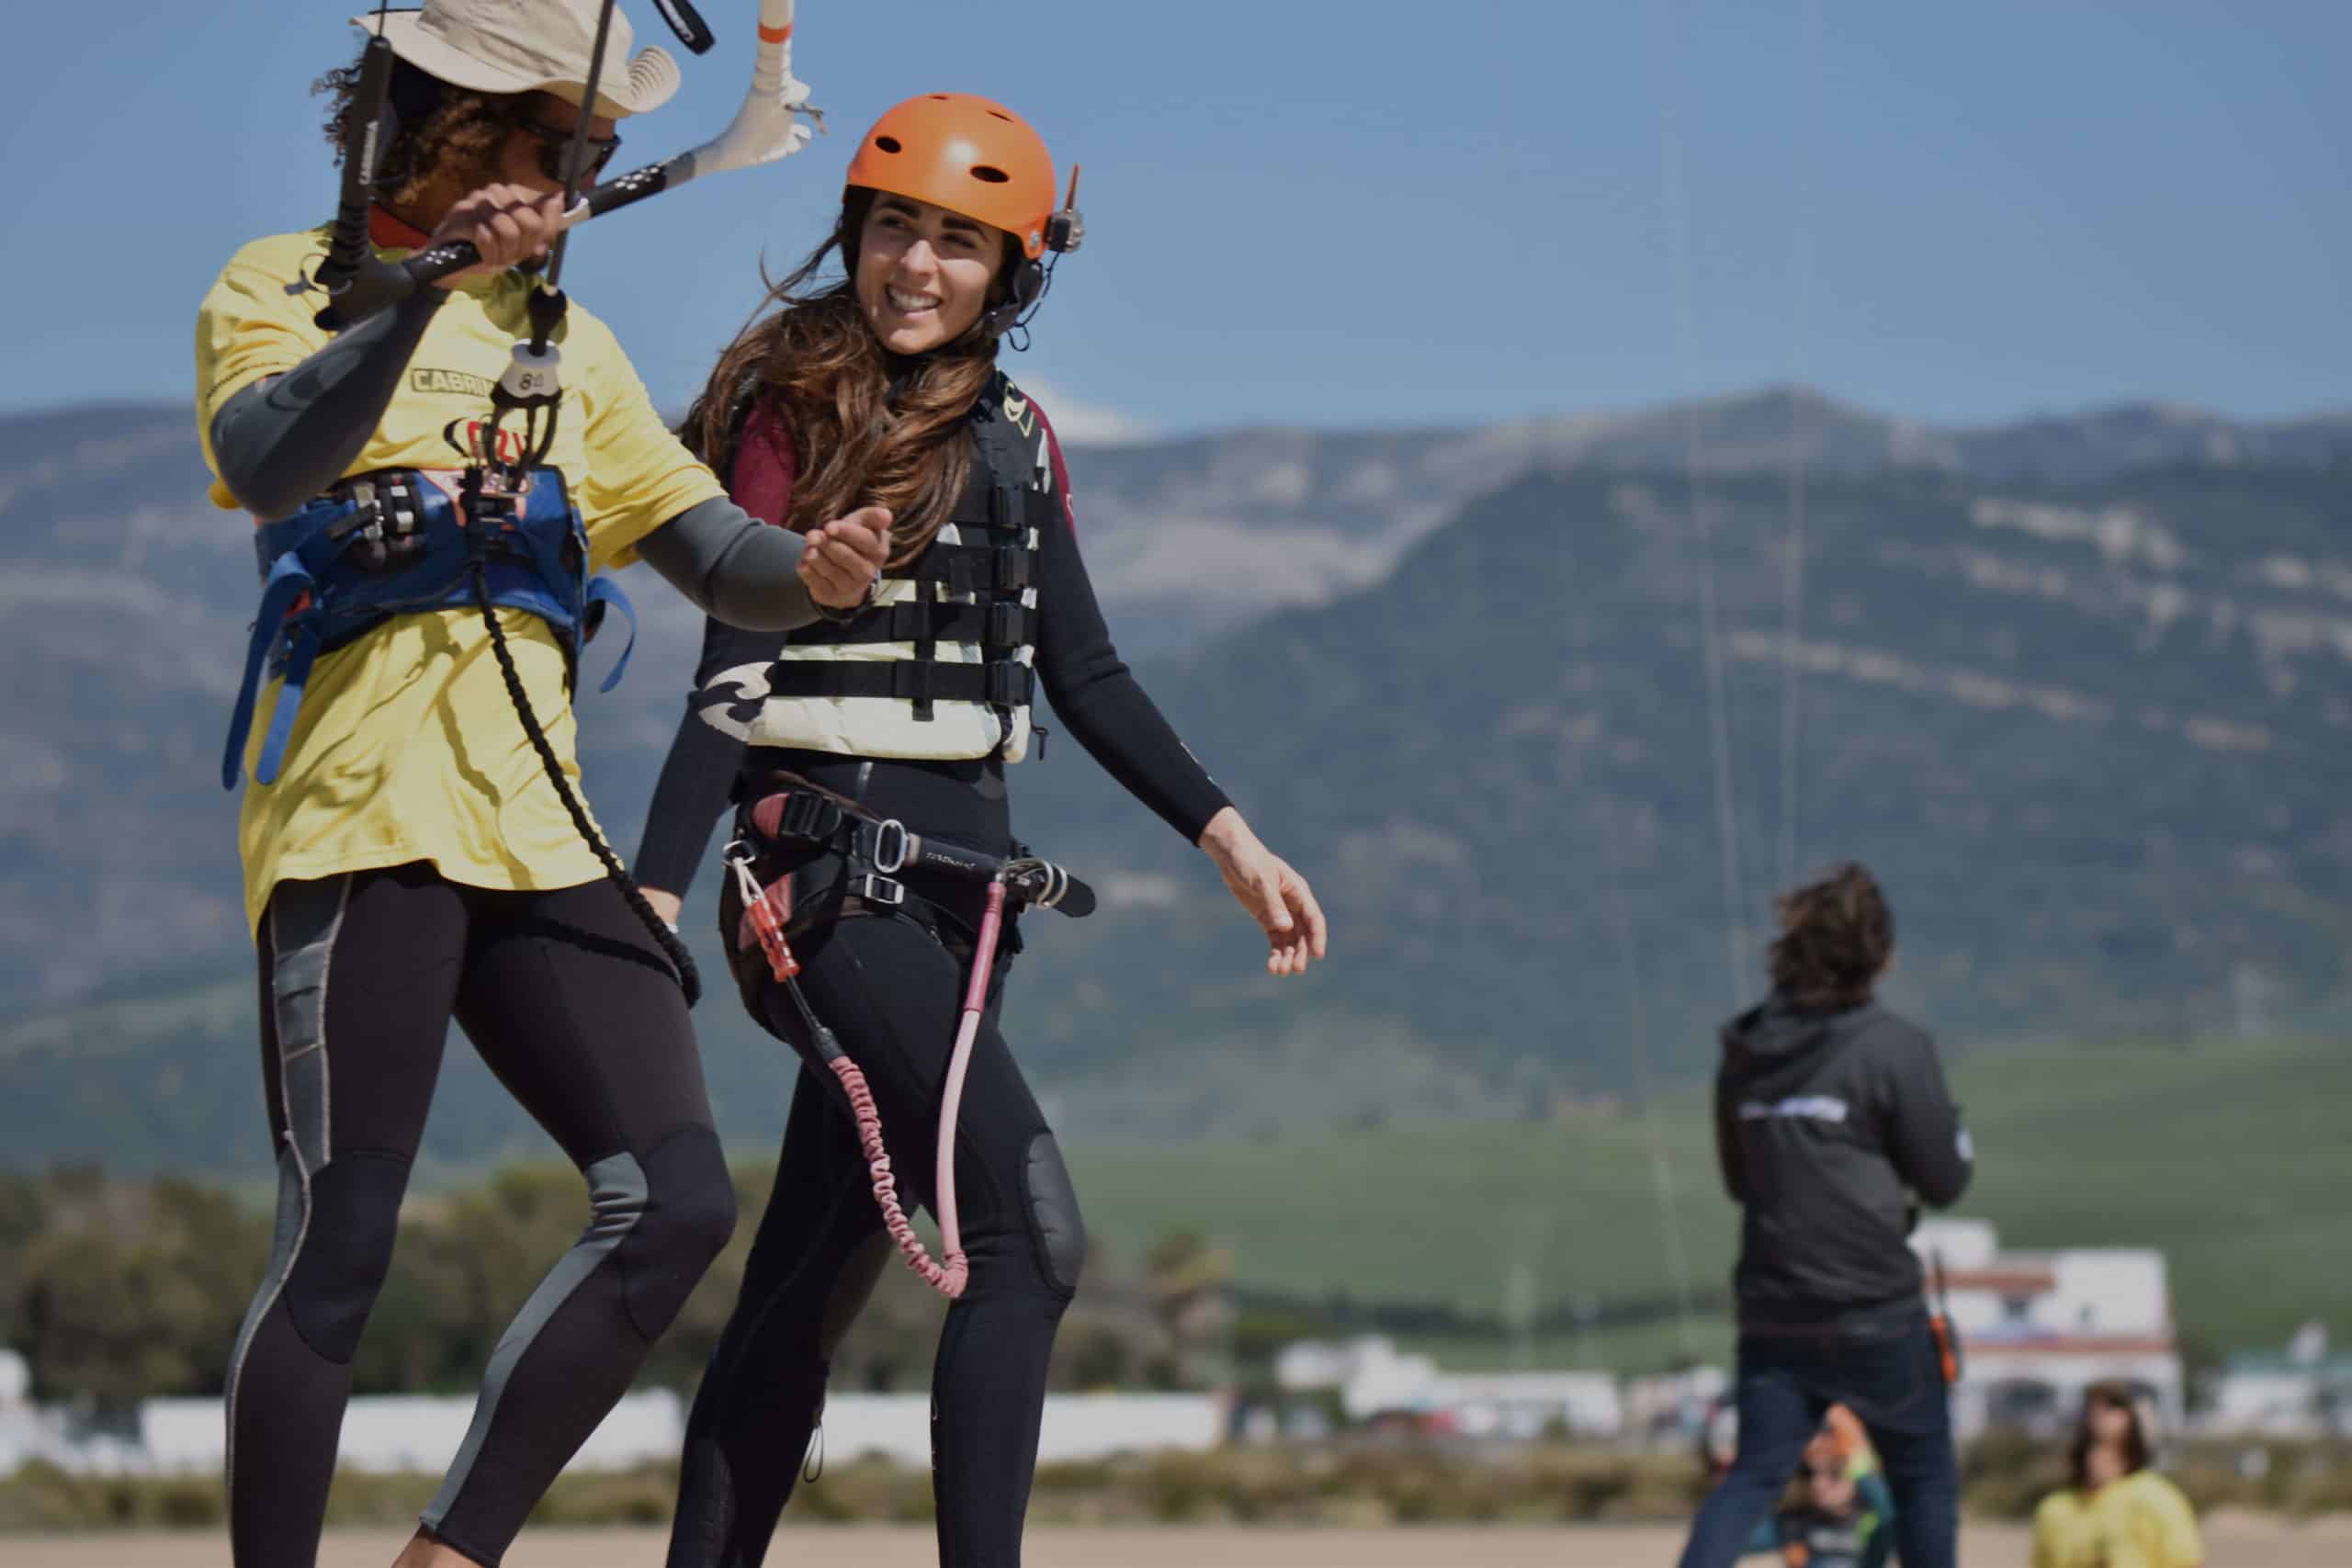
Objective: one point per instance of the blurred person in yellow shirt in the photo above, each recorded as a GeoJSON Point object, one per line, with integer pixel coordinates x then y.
{"type": "Point", "coordinates": [2117, 1512]}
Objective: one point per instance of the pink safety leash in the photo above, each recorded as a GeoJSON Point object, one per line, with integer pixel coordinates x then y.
{"type": "Point", "coordinates": [950, 1278]}
{"type": "Point", "coordinates": [761, 920]}
{"type": "Point", "coordinates": [1035, 883]}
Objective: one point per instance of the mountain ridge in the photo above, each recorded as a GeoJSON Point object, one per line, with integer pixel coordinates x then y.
{"type": "Point", "coordinates": [1983, 661]}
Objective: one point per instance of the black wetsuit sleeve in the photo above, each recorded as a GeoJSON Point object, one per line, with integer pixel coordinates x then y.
{"type": "Point", "coordinates": [1099, 701]}
{"type": "Point", "coordinates": [283, 440]}
{"type": "Point", "coordinates": [1926, 1141]}
{"type": "Point", "coordinates": [1727, 1155]}
{"type": "Point", "coordinates": [732, 567]}
{"type": "Point", "coordinates": [698, 775]}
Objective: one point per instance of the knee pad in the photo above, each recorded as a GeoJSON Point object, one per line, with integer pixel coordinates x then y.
{"type": "Point", "coordinates": [346, 1251]}
{"type": "Point", "coordinates": [1056, 1230]}
{"type": "Point", "coordinates": [689, 1213]}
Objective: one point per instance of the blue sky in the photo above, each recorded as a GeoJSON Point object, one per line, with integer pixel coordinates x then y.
{"type": "Point", "coordinates": [1341, 214]}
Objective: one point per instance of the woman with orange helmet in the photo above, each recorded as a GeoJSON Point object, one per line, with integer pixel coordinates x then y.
{"type": "Point", "coordinates": [877, 399]}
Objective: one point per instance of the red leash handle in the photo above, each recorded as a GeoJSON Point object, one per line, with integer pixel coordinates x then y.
{"type": "Point", "coordinates": [761, 918]}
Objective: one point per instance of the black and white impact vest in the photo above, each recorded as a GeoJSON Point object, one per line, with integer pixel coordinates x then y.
{"type": "Point", "coordinates": [941, 665]}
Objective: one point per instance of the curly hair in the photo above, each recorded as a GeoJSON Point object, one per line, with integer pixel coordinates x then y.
{"type": "Point", "coordinates": [441, 128]}
{"type": "Point", "coordinates": [1837, 934]}
{"type": "Point", "coordinates": [815, 363]}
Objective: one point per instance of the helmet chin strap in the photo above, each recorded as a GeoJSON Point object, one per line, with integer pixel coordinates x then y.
{"type": "Point", "coordinates": [1030, 280]}
{"type": "Point", "coordinates": [1065, 231]}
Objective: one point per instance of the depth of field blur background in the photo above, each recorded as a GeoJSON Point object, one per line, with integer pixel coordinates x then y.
{"type": "Point", "coordinates": [1458, 398]}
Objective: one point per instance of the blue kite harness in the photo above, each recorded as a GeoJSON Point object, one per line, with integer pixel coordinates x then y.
{"type": "Point", "coordinates": [397, 544]}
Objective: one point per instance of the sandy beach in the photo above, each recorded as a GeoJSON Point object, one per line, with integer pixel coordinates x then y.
{"type": "Point", "coordinates": [2232, 1542]}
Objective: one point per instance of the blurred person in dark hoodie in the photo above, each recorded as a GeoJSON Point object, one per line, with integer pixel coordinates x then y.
{"type": "Point", "coordinates": [1834, 1124]}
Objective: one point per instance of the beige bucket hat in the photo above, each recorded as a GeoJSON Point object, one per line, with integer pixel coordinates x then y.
{"type": "Point", "coordinates": [525, 46]}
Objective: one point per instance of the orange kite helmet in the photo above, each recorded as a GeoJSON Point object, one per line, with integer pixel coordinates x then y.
{"type": "Point", "coordinates": [965, 153]}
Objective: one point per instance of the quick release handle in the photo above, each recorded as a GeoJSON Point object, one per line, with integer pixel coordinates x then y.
{"type": "Point", "coordinates": [1042, 882]}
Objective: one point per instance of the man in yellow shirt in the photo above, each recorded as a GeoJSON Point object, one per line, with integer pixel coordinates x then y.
{"type": "Point", "coordinates": [2118, 1512]}
{"type": "Point", "coordinates": [408, 853]}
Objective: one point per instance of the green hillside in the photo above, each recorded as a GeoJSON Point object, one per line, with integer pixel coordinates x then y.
{"type": "Point", "coordinates": [2229, 1155]}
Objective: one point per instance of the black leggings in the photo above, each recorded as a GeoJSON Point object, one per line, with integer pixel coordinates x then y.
{"type": "Point", "coordinates": [891, 992]}
{"type": "Point", "coordinates": [577, 1013]}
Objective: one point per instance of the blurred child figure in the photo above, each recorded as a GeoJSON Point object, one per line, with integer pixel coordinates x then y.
{"type": "Point", "coordinates": [2118, 1512]}
{"type": "Point", "coordinates": [1838, 1512]}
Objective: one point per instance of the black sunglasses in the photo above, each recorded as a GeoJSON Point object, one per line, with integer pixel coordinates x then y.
{"type": "Point", "coordinates": [556, 142]}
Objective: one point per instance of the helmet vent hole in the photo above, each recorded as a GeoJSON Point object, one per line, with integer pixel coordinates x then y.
{"type": "Point", "coordinates": [939, 97]}
{"type": "Point", "coordinates": [994, 176]}
{"type": "Point", "coordinates": [888, 143]}
{"type": "Point", "coordinates": [999, 113]}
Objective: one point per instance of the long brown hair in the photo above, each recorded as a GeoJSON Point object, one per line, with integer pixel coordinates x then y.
{"type": "Point", "coordinates": [810, 357]}
{"type": "Point", "coordinates": [2138, 1442]}
{"type": "Point", "coordinates": [1836, 935]}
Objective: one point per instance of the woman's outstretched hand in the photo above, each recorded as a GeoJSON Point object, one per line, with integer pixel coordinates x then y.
{"type": "Point", "coordinates": [1277, 898]}
{"type": "Point", "coordinates": [842, 559]}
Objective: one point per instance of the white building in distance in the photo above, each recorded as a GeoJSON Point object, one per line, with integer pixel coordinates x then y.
{"type": "Point", "coordinates": [1374, 1380]}
{"type": "Point", "coordinates": [2305, 1392]}
{"type": "Point", "coordinates": [2037, 1328]}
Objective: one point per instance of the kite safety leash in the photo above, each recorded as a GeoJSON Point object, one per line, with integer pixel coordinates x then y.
{"type": "Point", "coordinates": [801, 813]}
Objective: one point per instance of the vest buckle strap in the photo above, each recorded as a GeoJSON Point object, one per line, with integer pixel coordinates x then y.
{"type": "Point", "coordinates": [915, 681]}
{"type": "Point", "coordinates": [1009, 505]}
{"type": "Point", "coordinates": [1007, 625]}
{"type": "Point", "coordinates": [1012, 569]}
{"type": "Point", "coordinates": [1008, 683]}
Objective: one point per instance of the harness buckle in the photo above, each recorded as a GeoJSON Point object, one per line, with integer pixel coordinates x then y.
{"type": "Point", "coordinates": [887, 848]}
{"type": "Point", "coordinates": [807, 815]}
{"type": "Point", "coordinates": [876, 889]}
